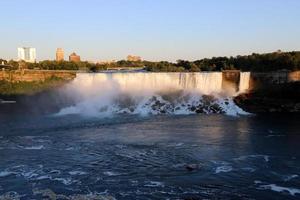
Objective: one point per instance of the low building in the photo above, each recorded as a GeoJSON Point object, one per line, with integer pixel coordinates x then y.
{"type": "Point", "coordinates": [134, 58]}
{"type": "Point", "coordinates": [60, 56]}
{"type": "Point", "coordinates": [74, 57]}
{"type": "Point", "coordinates": [103, 62]}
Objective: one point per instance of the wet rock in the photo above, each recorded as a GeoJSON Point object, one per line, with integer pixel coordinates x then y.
{"type": "Point", "coordinates": [198, 111]}
{"type": "Point", "coordinates": [207, 99]}
{"type": "Point", "coordinates": [193, 108]}
{"type": "Point", "coordinates": [163, 112]}
{"type": "Point", "coordinates": [177, 108]}
{"type": "Point", "coordinates": [192, 167]}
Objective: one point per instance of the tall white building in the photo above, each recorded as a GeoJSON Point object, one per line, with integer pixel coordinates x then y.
{"type": "Point", "coordinates": [27, 54]}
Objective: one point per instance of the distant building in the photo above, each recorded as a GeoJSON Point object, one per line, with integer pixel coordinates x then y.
{"type": "Point", "coordinates": [102, 62]}
{"type": "Point", "coordinates": [27, 54]}
{"type": "Point", "coordinates": [60, 56]}
{"type": "Point", "coordinates": [74, 57]}
{"type": "Point", "coordinates": [134, 58]}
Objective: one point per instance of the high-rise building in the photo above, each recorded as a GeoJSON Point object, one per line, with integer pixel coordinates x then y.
{"type": "Point", "coordinates": [60, 56]}
{"type": "Point", "coordinates": [134, 58]}
{"type": "Point", "coordinates": [27, 54]}
{"type": "Point", "coordinates": [74, 57]}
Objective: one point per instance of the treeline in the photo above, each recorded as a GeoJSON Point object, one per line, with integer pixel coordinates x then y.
{"type": "Point", "coordinates": [65, 65]}
{"type": "Point", "coordinates": [255, 62]}
{"type": "Point", "coordinates": [53, 65]}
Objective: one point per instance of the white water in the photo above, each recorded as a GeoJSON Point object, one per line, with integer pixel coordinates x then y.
{"type": "Point", "coordinates": [104, 94]}
{"type": "Point", "coordinates": [244, 82]}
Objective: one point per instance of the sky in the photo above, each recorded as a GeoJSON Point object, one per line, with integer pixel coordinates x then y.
{"type": "Point", "coordinates": [153, 29]}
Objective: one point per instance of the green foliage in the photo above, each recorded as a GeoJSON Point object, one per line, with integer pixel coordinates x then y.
{"type": "Point", "coordinates": [162, 66]}
{"type": "Point", "coordinates": [255, 62]}
{"type": "Point", "coordinates": [19, 88]}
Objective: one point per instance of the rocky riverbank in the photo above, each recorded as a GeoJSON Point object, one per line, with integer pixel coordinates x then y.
{"type": "Point", "coordinates": [271, 99]}
{"type": "Point", "coordinates": [9, 89]}
{"type": "Point", "coordinates": [27, 82]}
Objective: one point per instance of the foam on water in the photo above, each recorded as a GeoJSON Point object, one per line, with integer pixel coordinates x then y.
{"type": "Point", "coordinates": [5, 173]}
{"type": "Point", "coordinates": [39, 147]}
{"type": "Point", "coordinates": [276, 188]}
{"type": "Point", "coordinates": [105, 94]}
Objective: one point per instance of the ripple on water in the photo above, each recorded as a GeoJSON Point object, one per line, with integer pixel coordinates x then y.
{"type": "Point", "coordinates": [290, 177]}
{"type": "Point", "coordinates": [249, 169]}
{"type": "Point", "coordinates": [48, 193]}
{"type": "Point", "coordinates": [154, 184]}
{"type": "Point", "coordinates": [265, 157]}
{"type": "Point", "coordinates": [110, 173]}
{"type": "Point", "coordinates": [11, 196]}
{"type": "Point", "coordinates": [38, 147]}
{"type": "Point", "coordinates": [223, 169]}
{"type": "Point", "coordinates": [77, 173]}
{"type": "Point", "coordinates": [40, 174]}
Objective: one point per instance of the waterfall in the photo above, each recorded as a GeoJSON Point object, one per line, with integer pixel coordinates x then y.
{"type": "Point", "coordinates": [148, 93]}
{"type": "Point", "coordinates": [244, 82]}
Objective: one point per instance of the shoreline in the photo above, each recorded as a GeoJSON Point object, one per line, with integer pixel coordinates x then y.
{"type": "Point", "coordinates": [29, 82]}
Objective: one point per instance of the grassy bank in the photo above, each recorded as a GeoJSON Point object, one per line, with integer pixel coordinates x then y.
{"type": "Point", "coordinates": [29, 88]}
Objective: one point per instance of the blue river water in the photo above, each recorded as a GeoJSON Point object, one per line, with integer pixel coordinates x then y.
{"type": "Point", "coordinates": [201, 156]}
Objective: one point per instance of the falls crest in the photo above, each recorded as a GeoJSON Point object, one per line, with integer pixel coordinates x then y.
{"type": "Point", "coordinates": [104, 94]}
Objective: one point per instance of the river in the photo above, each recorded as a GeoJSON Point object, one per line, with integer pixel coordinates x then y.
{"type": "Point", "coordinates": [146, 136]}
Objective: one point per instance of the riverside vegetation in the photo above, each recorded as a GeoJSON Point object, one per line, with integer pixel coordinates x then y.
{"type": "Point", "coordinates": [255, 63]}
{"type": "Point", "coordinates": [27, 88]}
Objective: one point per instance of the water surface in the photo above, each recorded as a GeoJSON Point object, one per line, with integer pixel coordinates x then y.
{"type": "Point", "coordinates": [133, 157]}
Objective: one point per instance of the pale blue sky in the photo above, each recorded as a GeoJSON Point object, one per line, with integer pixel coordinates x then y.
{"type": "Point", "coordinates": [153, 29]}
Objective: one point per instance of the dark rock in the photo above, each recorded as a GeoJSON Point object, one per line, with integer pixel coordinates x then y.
{"type": "Point", "coordinates": [275, 99]}
{"type": "Point", "coordinates": [199, 111]}
{"type": "Point", "coordinates": [163, 111]}
{"type": "Point", "coordinates": [193, 108]}
{"type": "Point", "coordinates": [177, 108]}
{"type": "Point", "coordinates": [192, 167]}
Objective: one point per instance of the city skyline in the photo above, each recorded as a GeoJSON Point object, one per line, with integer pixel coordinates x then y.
{"type": "Point", "coordinates": [154, 30]}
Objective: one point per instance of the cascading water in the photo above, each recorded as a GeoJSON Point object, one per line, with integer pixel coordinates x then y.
{"type": "Point", "coordinates": [244, 82]}
{"type": "Point", "coordinates": [104, 94]}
